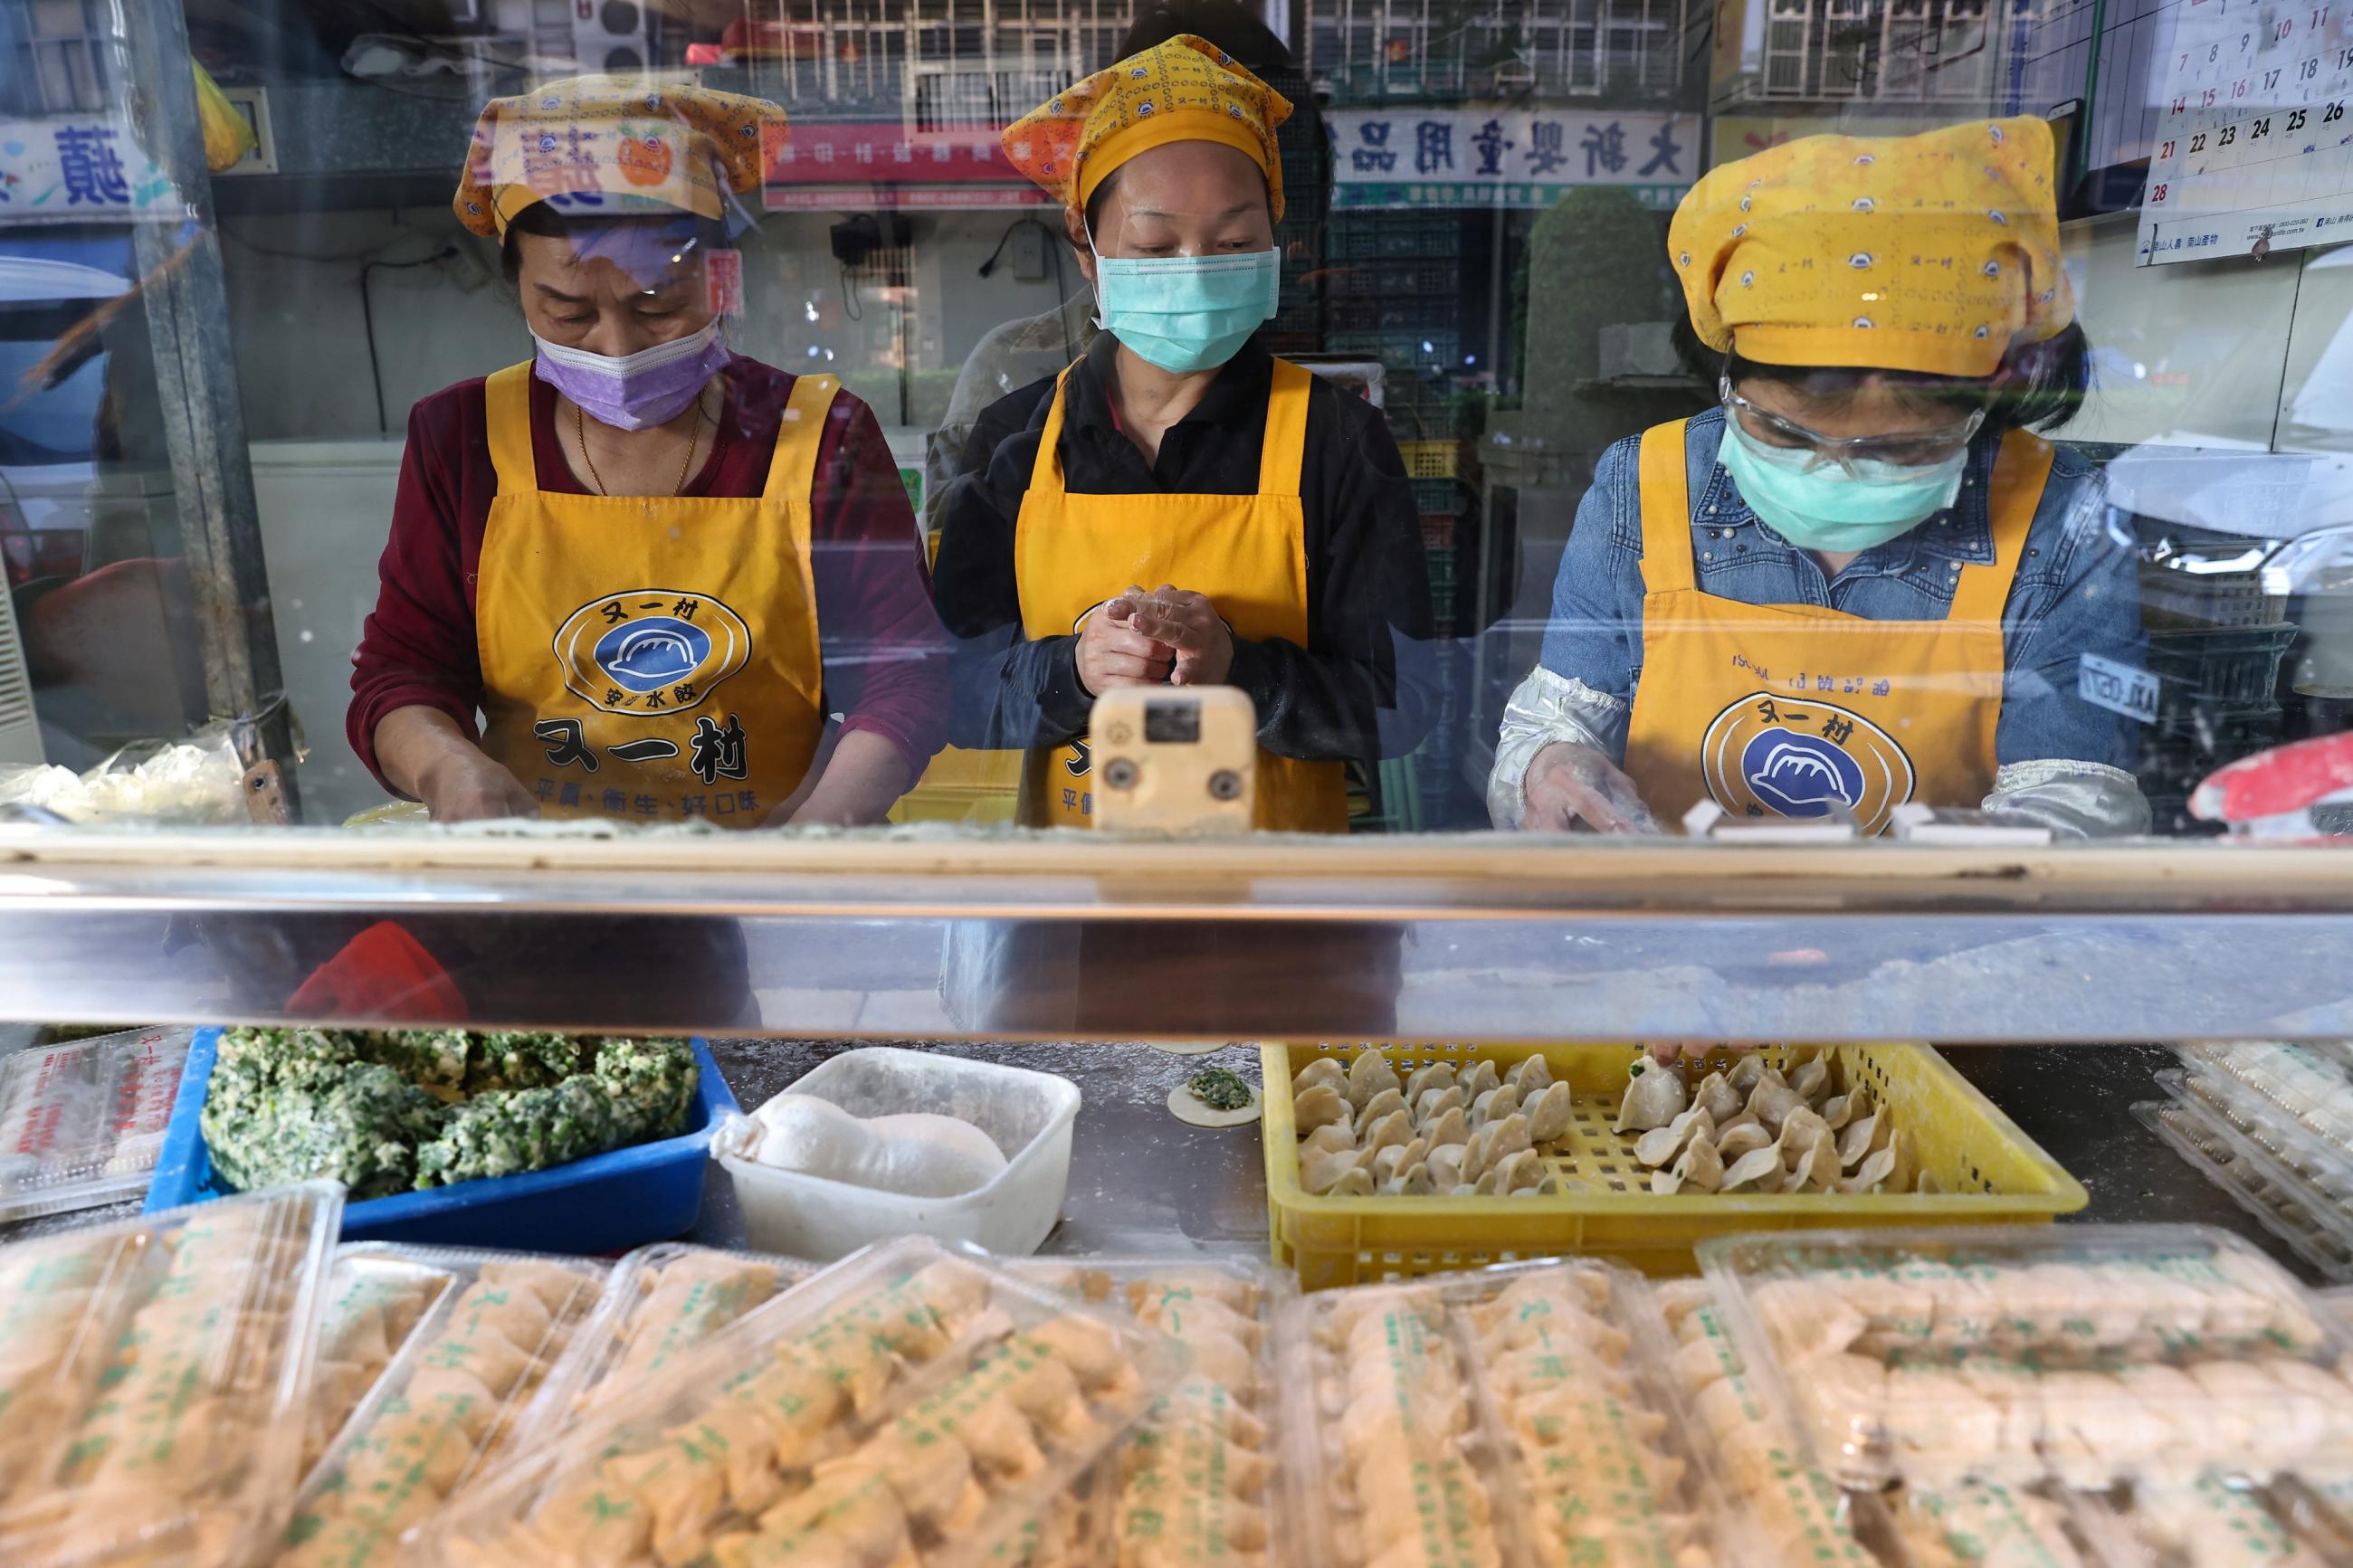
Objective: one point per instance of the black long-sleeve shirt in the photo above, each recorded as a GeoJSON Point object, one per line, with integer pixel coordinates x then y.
{"type": "Point", "coordinates": [1359, 689]}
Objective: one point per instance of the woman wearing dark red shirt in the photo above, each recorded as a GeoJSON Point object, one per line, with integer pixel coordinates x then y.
{"type": "Point", "coordinates": [672, 582]}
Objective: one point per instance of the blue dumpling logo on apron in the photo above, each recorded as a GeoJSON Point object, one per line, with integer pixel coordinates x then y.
{"type": "Point", "coordinates": [650, 650]}
{"type": "Point", "coordinates": [1769, 755]}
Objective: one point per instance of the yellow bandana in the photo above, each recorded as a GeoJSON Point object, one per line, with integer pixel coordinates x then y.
{"type": "Point", "coordinates": [1187, 90]}
{"type": "Point", "coordinates": [619, 143]}
{"type": "Point", "coordinates": [1931, 253]}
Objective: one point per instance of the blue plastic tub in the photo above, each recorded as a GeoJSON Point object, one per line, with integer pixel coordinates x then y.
{"type": "Point", "coordinates": [608, 1203]}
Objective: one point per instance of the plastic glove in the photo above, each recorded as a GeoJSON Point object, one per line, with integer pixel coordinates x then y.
{"type": "Point", "coordinates": [1569, 784]}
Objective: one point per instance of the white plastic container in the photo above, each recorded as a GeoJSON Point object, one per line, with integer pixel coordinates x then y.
{"type": "Point", "coordinates": [1027, 1113]}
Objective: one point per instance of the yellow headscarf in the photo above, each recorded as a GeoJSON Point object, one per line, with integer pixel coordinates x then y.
{"type": "Point", "coordinates": [1931, 253]}
{"type": "Point", "coordinates": [1187, 90]}
{"type": "Point", "coordinates": [623, 142]}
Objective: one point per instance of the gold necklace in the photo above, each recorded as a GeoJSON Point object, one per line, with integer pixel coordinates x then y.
{"type": "Point", "coordinates": [580, 433]}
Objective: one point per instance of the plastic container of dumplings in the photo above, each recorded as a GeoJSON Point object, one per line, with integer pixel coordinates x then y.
{"type": "Point", "coordinates": [2307, 1221]}
{"type": "Point", "coordinates": [1992, 1174]}
{"type": "Point", "coordinates": [1175, 1495]}
{"type": "Point", "coordinates": [2319, 1166]}
{"type": "Point", "coordinates": [606, 1203]}
{"type": "Point", "coordinates": [660, 1302]}
{"type": "Point", "coordinates": [2083, 1355]}
{"type": "Point", "coordinates": [1493, 1428]}
{"type": "Point", "coordinates": [2311, 1085]}
{"type": "Point", "coordinates": [1800, 1515]}
{"type": "Point", "coordinates": [445, 1412]}
{"type": "Point", "coordinates": [377, 1296]}
{"type": "Point", "coordinates": [883, 1378]}
{"type": "Point", "coordinates": [155, 1373]}
{"type": "Point", "coordinates": [81, 1124]}
{"type": "Point", "coordinates": [1030, 1115]}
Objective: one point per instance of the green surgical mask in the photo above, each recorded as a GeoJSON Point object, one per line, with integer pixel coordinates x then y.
{"type": "Point", "coordinates": [1818, 505]}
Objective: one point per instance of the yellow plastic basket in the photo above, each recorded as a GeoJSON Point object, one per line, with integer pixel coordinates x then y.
{"type": "Point", "coordinates": [1992, 1173]}
{"type": "Point", "coordinates": [960, 785]}
{"type": "Point", "coordinates": [1430, 459]}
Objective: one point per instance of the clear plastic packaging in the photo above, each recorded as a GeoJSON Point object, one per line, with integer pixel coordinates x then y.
{"type": "Point", "coordinates": [1803, 1519]}
{"type": "Point", "coordinates": [377, 1296]}
{"type": "Point", "coordinates": [81, 1123]}
{"type": "Point", "coordinates": [1028, 1115]}
{"type": "Point", "coordinates": [444, 1414]}
{"type": "Point", "coordinates": [1519, 1417]}
{"type": "Point", "coordinates": [915, 1405]}
{"type": "Point", "coordinates": [2087, 1355]}
{"type": "Point", "coordinates": [154, 1375]}
{"type": "Point", "coordinates": [661, 1301]}
{"type": "Point", "coordinates": [1196, 1484]}
{"type": "Point", "coordinates": [2311, 1084]}
{"type": "Point", "coordinates": [2314, 1227]}
{"type": "Point", "coordinates": [2320, 1164]}
{"type": "Point", "coordinates": [2207, 1523]}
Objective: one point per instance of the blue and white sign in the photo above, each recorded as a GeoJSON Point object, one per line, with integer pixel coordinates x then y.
{"type": "Point", "coordinates": [1411, 157]}
{"type": "Point", "coordinates": [77, 171]}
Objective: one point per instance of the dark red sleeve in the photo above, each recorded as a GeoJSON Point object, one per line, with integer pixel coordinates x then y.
{"type": "Point", "coordinates": [417, 648]}
{"type": "Point", "coordinates": [886, 657]}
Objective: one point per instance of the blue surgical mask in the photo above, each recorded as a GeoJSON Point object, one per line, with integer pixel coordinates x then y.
{"type": "Point", "coordinates": [1186, 313]}
{"type": "Point", "coordinates": [1816, 504]}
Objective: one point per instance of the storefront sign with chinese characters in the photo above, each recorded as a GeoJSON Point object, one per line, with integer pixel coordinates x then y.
{"type": "Point", "coordinates": [1507, 157]}
{"type": "Point", "coordinates": [76, 171]}
{"type": "Point", "coordinates": [964, 169]}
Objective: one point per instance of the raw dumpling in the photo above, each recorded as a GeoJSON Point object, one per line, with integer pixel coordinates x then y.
{"type": "Point", "coordinates": [1654, 1096]}
{"type": "Point", "coordinates": [1322, 1171]}
{"type": "Point", "coordinates": [1437, 1102]}
{"type": "Point", "coordinates": [1494, 1103]}
{"type": "Point", "coordinates": [1520, 1171]}
{"type": "Point", "coordinates": [1859, 1139]}
{"type": "Point", "coordinates": [1660, 1145]}
{"type": "Point", "coordinates": [1548, 1116]}
{"type": "Point", "coordinates": [1320, 1107]}
{"type": "Point", "coordinates": [1530, 1076]}
{"type": "Point", "coordinates": [1760, 1170]}
{"type": "Point", "coordinates": [1437, 1075]}
{"type": "Point", "coordinates": [1414, 1181]}
{"type": "Point", "coordinates": [1454, 1127]}
{"type": "Point", "coordinates": [1332, 1138]}
{"type": "Point", "coordinates": [1356, 1183]}
{"type": "Point", "coordinates": [1369, 1075]}
{"type": "Point", "coordinates": [1841, 1109]}
{"type": "Point", "coordinates": [1482, 1077]}
{"type": "Point", "coordinates": [1873, 1173]}
{"type": "Point", "coordinates": [1700, 1165]}
{"type": "Point", "coordinates": [1388, 1102]}
{"type": "Point", "coordinates": [1396, 1128]}
{"type": "Point", "coordinates": [1772, 1100]}
{"type": "Point", "coordinates": [1446, 1165]}
{"type": "Point", "coordinates": [1716, 1094]}
{"type": "Point", "coordinates": [1747, 1072]}
{"type": "Point", "coordinates": [1810, 1079]}
{"type": "Point", "coordinates": [1324, 1070]}
{"type": "Point", "coordinates": [1746, 1138]}
{"type": "Point", "coordinates": [1798, 1129]}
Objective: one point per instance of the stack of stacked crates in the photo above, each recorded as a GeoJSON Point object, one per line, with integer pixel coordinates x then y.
{"type": "Point", "coordinates": [2216, 641]}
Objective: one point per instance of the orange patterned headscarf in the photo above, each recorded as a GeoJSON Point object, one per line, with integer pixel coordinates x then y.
{"type": "Point", "coordinates": [1932, 253]}
{"type": "Point", "coordinates": [619, 143]}
{"type": "Point", "coordinates": [1187, 90]}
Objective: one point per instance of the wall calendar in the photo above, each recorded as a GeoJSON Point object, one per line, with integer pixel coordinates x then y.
{"type": "Point", "coordinates": [2254, 146]}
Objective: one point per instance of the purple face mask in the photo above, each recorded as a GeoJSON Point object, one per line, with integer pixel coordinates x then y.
{"type": "Point", "coordinates": [653, 386]}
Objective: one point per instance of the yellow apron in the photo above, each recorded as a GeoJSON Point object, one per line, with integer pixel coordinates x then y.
{"type": "Point", "coordinates": [651, 658]}
{"type": "Point", "coordinates": [1247, 553]}
{"type": "Point", "coordinates": [1781, 710]}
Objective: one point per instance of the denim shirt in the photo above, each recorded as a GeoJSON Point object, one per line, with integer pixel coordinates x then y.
{"type": "Point", "coordinates": [2077, 591]}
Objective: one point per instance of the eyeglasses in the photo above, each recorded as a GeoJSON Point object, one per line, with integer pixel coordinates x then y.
{"type": "Point", "coordinates": [1924, 450]}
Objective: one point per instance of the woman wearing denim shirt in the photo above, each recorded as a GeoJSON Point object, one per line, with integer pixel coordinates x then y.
{"type": "Point", "coordinates": [1878, 585]}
